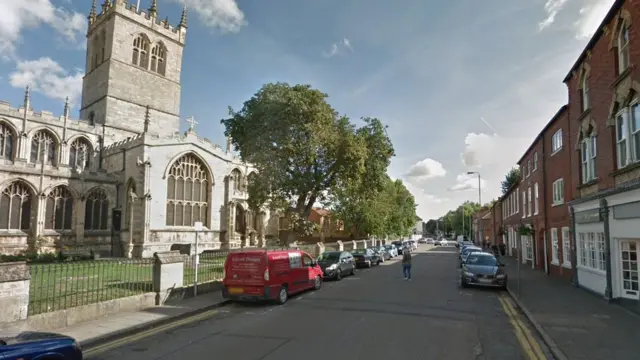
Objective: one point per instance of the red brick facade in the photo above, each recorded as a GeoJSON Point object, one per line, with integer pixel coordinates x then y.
{"type": "Point", "coordinates": [531, 200]}
{"type": "Point", "coordinates": [580, 152]}
{"type": "Point", "coordinates": [557, 174]}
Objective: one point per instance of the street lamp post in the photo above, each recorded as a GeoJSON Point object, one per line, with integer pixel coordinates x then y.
{"type": "Point", "coordinates": [480, 232]}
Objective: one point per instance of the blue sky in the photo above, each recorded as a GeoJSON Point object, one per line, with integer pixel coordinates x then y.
{"type": "Point", "coordinates": [464, 85]}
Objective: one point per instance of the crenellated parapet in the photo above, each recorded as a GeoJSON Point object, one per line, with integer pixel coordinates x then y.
{"type": "Point", "coordinates": [148, 17]}
{"type": "Point", "coordinates": [44, 117]}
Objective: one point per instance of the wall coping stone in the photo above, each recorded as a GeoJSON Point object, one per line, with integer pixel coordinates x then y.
{"type": "Point", "coordinates": [14, 271]}
{"type": "Point", "coordinates": [168, 257]}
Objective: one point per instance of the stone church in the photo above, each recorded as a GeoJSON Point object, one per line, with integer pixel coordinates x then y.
{"type": "Point", "coordinates": [122, 180]}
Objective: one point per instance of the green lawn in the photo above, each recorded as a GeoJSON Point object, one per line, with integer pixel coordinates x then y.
{"type": "Point", "coordinates": [64, 285]}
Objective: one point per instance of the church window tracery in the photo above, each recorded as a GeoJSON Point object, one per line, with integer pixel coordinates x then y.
{"type": "Point", "coordinates": [187, 192]}
{"type": "Point", "coordinates": [43, 148]}
{"type": "Point", "coordinates": [15, 207]}
{"type": "Point", "coordinates": [96, 210]}
{"type": "Point", "coordinates": [59, 209]}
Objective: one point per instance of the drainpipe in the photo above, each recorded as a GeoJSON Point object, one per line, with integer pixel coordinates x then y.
{"type": "Point", "coordinates": [604, 216]}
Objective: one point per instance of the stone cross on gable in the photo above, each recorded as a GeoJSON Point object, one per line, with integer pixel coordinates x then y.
{"type": "Point", "coordinates": [192, 123]}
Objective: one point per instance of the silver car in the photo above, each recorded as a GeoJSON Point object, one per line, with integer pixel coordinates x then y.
{"type": "Point", "coordinates": [483, 269]}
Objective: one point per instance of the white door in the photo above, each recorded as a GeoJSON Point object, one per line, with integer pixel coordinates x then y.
{"type": "Point", "coordinates": [629, 267]}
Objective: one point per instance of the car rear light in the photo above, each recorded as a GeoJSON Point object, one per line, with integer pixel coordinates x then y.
{"type": "Point", "coordinates": [266, 274]}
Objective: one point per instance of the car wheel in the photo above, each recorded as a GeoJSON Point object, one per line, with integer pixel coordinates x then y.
{"type": "Point", "coordinates": [283, 295]}
{"type": "Point", "coordinates": [463, 284]}
{"type": "Point", "coordinates": [317, 283]}
{"type": "Point", "coordinates": [339, 275]}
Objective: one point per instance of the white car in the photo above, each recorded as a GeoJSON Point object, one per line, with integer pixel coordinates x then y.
{"type": "Point", "coordinates": [444, 242]}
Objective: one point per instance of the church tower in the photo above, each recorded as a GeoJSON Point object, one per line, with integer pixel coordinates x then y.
{"type": "Point", "coordinates": [134, 61]}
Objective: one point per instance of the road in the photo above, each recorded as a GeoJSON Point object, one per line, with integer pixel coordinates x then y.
{"type": "Point", "coordinates": [373, 315]}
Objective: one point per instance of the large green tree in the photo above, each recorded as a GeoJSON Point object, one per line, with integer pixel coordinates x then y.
{"type": "Point", "coordinates": [453, 220]}
{"type": "Point", "coordinates": [510, 179]}
{"type": "Point", "coordinates": [300, 146]}
{"type": "Point", "coordinates": [365, 203]}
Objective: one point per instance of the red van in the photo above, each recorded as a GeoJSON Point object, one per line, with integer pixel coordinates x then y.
{"type": "Point", "coordinates": [269, 275]}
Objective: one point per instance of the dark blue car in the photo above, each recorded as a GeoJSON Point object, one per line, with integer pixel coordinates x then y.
{"type": "Point", "coordinates": [39, 346]}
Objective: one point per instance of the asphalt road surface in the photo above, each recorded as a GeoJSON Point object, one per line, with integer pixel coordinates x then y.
{"type": "Point", "coordinates": [373, 315]}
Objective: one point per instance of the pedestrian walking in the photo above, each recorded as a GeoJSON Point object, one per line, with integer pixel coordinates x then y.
{"type": "Point", "coordinates": [406, 264]}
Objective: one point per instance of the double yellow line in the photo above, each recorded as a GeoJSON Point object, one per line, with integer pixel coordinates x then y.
{"type": "Point", "coordinates": [93, 351]}
{"type": "Point", "coordinates": [526, 339]}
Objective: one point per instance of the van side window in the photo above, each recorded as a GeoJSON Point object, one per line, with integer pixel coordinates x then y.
{"type": "Point", "coordinates": [307, 260]}
{"type": "Point", "coordinates": [295, 260]}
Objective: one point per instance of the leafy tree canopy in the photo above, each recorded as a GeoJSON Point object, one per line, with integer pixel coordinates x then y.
{"type": "Point", "coordinates": [301, 147]}
{"type": "Point", "coordinates": [510, 179]}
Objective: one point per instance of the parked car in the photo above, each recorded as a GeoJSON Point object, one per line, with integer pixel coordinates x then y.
{"type": "Point", "coordinates": [253, 275]}
{"type": "Point", "coordinates": [392, 250]}
{"type": "Point", "coordinates": [430, 241]}
{"type": "Point", "coordinates": [366, 257]}
{"type": "Point", "coordinates": [468, 250]}
{"type": "Point", "coordinates": [437, 242]}
{"type": "Point", "coordinates": [483, 269]}
{"type": "Point", "coordinates": [422, 241]}
{"type": "Point", "coordinates": [40, 345]}
{"type": "Point", "coordinates": [413, 244]}
{"type": "Point", "coordinates": [335, 264]}
{"type": "Point", "coordinates": [382, 251]}
{"type": "Point", "coordinates": [399, 246]}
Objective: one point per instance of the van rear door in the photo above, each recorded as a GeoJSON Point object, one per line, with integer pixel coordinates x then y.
{"type": "Point", "coordinates": [246, 269]}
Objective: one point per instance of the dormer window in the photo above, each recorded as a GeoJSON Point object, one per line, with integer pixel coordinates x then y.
{"type": "Point", "coordinates": [623, 48]}
{"type": "Point", "coordinates": [584, 91]}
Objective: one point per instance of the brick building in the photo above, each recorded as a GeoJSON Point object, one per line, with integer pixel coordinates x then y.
{"type": "Point", "coordinates": [496, 222]}
{"type": "Point", "coordinates": [531, 188]}
{"type": "Point", "coordinates": [556, 161]}
{"type": "Point", "coordinates": [604, 123]}
{"type": "Point", "coordinates": [511, 218]}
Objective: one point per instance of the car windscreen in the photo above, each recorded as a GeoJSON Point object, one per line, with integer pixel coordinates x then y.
{"type": "Point", "coordinates": [359, 252]}
{"type": "Point", "coordinates": [329, 256]}
{"type": "Point", "coordinates": [469, 251]}
{"type": "Point", "coordinates": [482, 260]}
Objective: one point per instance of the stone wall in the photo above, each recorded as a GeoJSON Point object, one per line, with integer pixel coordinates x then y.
{"type": "Point", "coordinates": [14, 291]}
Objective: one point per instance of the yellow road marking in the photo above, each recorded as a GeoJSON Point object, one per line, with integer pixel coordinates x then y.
{"type": "Point", "coordinates": [526, 339]}
{"type": "Point", "coordinates": [144, 334]}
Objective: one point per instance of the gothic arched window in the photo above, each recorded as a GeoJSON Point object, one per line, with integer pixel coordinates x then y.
{"type": "Point", "coordinates": [43, 147]}
{"type": "Point", "coordinates": [96, 210]}
{"type": "Point", "coordinates": [236, 178]}
{"type": "Point", "coordinates": [15, 207]}
{"type": "Point", "coordinates": [187, 192]}
{"type": "Point", "coordinates": [79, 154]}
{"type": "Point", "coordinates": [59, 209]}
{"type": "Point", "coordinates": [158, 54]}
{"type": "Point", "coordinates": [140, 55]}
{"type": "Point", "coordinates": [6, 142]}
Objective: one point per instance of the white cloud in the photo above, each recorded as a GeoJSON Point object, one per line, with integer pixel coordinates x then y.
{"type": "Point", "coordinates": [468, 182]}
{"type": "Point", "coordinates": [487, 151]}
{"type": "Point", "coordinates": [338, 47]}
{"type": "Point", "coordinates": [224, 15]}
{"type": "Point", "coordinates": [426, 169]}
{"type": "Point", "coordinates": [552, 8]}
{"type": "Point", "coordinates": [20, 15]}
{"type": "Point", "coordinates": [591, 15]}
{"type": "Point", "coordinates": [429, 205]}
{"type": "Point", "coordinates": [49, 78]}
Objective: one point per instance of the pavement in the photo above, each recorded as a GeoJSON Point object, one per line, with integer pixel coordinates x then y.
{"type": "Point", "coordinates": [375, 314]}
{"type": "Point", "coordinates": [582, 326]}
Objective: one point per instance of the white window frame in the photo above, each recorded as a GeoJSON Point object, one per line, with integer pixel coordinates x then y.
{"type": "Point", "coordinates": [524, 204]}
{"type": "Point", "coordinates": [556, 141]}
{"type": "Point", "coordinates": [536, 199]}
{"type": "Point", "coordinates": [591, 251]}
{"type": "Point", "coordinates": [558, 192]}
{"type": "Point", "coordinates": [529, 205]}
{"type": "Point", "coordinates": [585, 91]}
{"type": "Point", "coordinates": [517, 199]}
{"type": "Point", "coordinates": [535, 161]}
{"type": "Point", "coordinates": [566, 248]}
{"type": "Point", "coordinates": [588, 153]}
{"type": "Point", "coordinates": [554, 247]}
{"type": "Point", "coordinates": [528, 168]}
{"type": "Point", "coordinates": [623, 48]}
{"type": "Point", "coordinates": [628, 135]}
